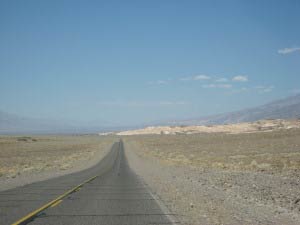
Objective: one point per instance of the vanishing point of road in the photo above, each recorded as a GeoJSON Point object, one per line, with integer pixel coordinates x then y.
{"type": "Point", "coordinates": [110, 193]}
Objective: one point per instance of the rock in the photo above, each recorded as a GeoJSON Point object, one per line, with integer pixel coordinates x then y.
{"type": "Point", "coordinates": [297, 201]}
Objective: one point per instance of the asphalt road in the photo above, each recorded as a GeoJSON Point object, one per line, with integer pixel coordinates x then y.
{"type": "Point", "coordinates": [108, 193]}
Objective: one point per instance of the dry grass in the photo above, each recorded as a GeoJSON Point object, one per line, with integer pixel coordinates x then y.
{"type": "Point", "coordinates": [264, 151]}
{"type": "Point", "coordinates": [42, 153]}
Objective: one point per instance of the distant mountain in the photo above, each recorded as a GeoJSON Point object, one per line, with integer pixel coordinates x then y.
{"type": "Point", "coordinates": [282, 109]}
{"type": "Point", "coordinates": [287, 108]}
{"type": "Point", "coordinates": [14, 124]}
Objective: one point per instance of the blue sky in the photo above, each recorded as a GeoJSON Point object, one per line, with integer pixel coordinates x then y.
{"type": "Point", "coordinates": [130, 62]}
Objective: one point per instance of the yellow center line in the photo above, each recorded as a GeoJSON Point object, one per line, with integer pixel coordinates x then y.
{"type": "Point", "coordinates": [56, 203]}
{"type": "Point", "coordinates": [51, 203]}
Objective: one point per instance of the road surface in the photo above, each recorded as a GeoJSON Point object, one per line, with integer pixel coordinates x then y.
{"type": "Point", "coordinates": [108, 193]}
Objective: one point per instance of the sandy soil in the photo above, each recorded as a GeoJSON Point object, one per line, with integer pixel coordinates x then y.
{"type": "Point", "coordinates": [259, 126]}
{"type": "Point", "coordinates": [223, 178]}
{"type": "Point", "coordinates": [208, 178]}
{"type": "Point", "coordinates": [28, 159]}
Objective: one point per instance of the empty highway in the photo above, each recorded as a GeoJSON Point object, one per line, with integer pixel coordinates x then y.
{"type": "Point", "coordinates": [109, 193]}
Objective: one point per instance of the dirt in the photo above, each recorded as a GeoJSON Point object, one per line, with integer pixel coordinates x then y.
{"type": "Point", "coordinates": [218, 178]}
{"type": "Point", "coordinates": [26, 159]}
{"type": "Point", "coordinates": [223, 179]}
{"type": "Point", "coordinates": [258, 126]}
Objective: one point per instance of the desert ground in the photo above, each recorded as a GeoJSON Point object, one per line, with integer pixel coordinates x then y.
{"type": "Point", "coordinates": [237, 128]}
{"type": "Point", "coordinates": [25, 159]}
{"type": "Point", "coordinates": [222, 178]}
{"type": "Point", "coordinates": [233, 177]}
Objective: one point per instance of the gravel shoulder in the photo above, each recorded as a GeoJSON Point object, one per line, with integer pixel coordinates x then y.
{"type": "Point", "coordinates": [207, 193]}
{"type": "Point", "coordinates": [24, 160]}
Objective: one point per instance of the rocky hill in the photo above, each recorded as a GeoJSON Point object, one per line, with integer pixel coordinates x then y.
{"type": "Point", "coordinates": [288, 108]}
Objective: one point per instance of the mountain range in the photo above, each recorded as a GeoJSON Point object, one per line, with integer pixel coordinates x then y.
{"type": "Point", "coordinates": [281, 109]}
{"type": "Point", "coordinates": [286, 108]}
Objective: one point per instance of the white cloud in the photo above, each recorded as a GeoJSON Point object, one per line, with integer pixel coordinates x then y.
{"type": "Point", "coordinates": [240, 78]}
{"type": "Point", "coordinates": [226, 86]}
{"type": "Point", "coordinates": [201, 77]}
{"type": "Point", "coordinates": [222, 80]}
{"type": "Point", "coordinates": [288, 50]}
{"type": "Point", "coordinates": [161, 82]}
{"type": "Point", "coordinates": [240, 90]}
{"type": "Point", "coordinates": [244, 89]}
{"type": "Point", "coordinates": [209, 86]}
{"type": "Point", "coordinates": [259, 87]}
{"type": "Point", "coordinates": [264, 89]}
{"type": "Point", "coordinates": [197, 77]}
